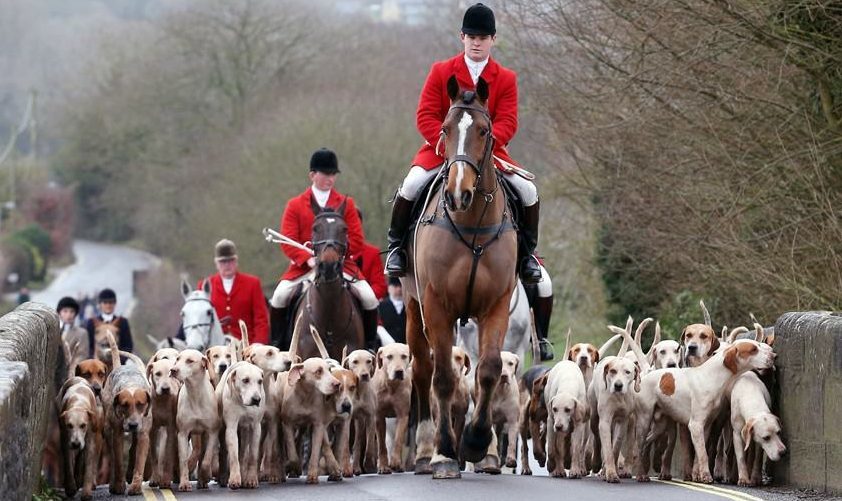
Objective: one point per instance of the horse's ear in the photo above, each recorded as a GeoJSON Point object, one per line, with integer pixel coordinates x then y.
{"type": "Point", "coordinates": [185, 288]}
{"type": "Point", "coordinates": [206, 287]}
{"type": "Point", "coordinates": [452, 88]}
{"type": "Point", "coordinates": [482, 89]}
{"type": "Point", "coordinates": [314, 206]}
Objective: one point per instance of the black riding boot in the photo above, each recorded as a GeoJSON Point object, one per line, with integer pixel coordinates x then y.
{"type": "Point", "coordinates": [278, 326]}
{"type": "Point", "coordinates": [372, 340]}
{"type": "Point", "coordinates": [401, 215]}
{"type": "Point", "coordinates": [530, 270]}
{"type": "Point", "coordinates": [542, 309]}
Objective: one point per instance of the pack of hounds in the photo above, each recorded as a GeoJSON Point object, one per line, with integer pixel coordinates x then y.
{"type": "Point", "coordinates": [242, 413]}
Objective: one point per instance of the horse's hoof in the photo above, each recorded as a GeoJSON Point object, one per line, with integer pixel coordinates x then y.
{"type": "Point", "coordinates": [423, 466]}
{"type": "Point", "coordinates": [475, 443]}
{"type": "Point", "coordinates": [449, 468]}
{"type": "Point", "coordinates": [489, 464]}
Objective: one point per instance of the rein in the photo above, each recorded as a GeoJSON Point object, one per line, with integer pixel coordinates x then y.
{"type": "Point", "coordinates": [202, 324]}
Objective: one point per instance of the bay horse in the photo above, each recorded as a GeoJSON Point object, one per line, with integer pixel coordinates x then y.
{"type": "Point", "coordinates": [461, 265]}
{"type": "Point", "coordinates": [327, 306]}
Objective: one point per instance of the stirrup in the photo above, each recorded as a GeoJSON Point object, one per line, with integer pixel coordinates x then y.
{"type": "Point", "coordinates": [530, 271]}
{"type": "Point", "coordinates": [395, 271]}
{"type": "Point", "coordinates": [545, 350]}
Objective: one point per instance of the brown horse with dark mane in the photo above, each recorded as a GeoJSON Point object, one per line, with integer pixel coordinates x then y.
{"type": "Point", "coordinates": [462, 265]}
{"type": "Point", "coordinates": [328, 307]}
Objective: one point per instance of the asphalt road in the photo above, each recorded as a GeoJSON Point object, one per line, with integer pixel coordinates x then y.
{"type": "Point", "coordinates": [98, 266]}
{"type": "Point", "coordinates": [471, 486]}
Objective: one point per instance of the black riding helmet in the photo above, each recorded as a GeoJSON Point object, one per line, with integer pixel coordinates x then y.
{"type": "Point", "coordinates": [479, 20]}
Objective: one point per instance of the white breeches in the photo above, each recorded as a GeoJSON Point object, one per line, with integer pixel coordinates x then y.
{"type": "Point", "coordinates": [545, 286]}
{"type": "Point", "coordinates": [418, 177]}
{"type": "Point", "coordinates": [359, 288]}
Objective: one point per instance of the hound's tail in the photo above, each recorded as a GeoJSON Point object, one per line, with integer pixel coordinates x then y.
{"type": "Point", "coordinates": [115, 352]}
{"type": "Point", "coordinates": [244, 330]}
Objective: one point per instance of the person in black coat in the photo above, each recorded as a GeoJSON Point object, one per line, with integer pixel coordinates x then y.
{"type": "Point", "coordinates": [107, 304]}
{"type": "Point", "coordinates": [392, 311]}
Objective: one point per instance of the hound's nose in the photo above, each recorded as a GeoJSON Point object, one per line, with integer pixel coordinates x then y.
{"type": "Point", "coordinates": [165, 390]}
{"type": "Point", "coordinates": [174, 372]}
{"type": "Point", "coordinates": [75, 445]}
{"type": "Point", "coordinates": [346, 407]}
{"type": "Point", "coordinates": [255, 400]}
{"type": "Point", "coordinates": [399, 375]}
{"type": "Point", "coordinates": [618, 386]}
{"type": "Point", "coordinates": [97, 388]}
{"type": "Point", "coordinates": [672, 365]}
{"type": "Point", "coordinates": [365, 377]}
{"type": "Point", "coordinates": [133, 426]}
{"type": "Point", "coordinates": [692, 349]}
{"type": "Point", "coordinates": [583, 360]}
{"type": "Point", "coordinates": [504, 377]}
{"type": "Point", "coordinates": [223, 367]}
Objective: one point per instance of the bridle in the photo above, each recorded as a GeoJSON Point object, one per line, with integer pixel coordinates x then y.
{"type": "Point", "coordinates": [338, 245]}
{"type": "Point", "coordinates": [467, 104]}
{"type": "Point", "coordinates": [201, 324]}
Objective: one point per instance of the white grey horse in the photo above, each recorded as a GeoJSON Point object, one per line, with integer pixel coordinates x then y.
{"type": "Point", "coordinates": [518, 340]}
{"type": "Point", "coordinates": [198, 318]}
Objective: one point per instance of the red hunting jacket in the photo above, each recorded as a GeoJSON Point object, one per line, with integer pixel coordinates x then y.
{"type": "Point", "coordinates": [434, 103]}
{"type": "Point", "coordinates": [371, 267]}
{"type": "Point", "coordinates": [297, 224]}
{"type": "Point", "coordinates": [245, 302]}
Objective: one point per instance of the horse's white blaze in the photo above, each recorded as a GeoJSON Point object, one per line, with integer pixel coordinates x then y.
{"type": "Point", "coordinates": [464, 124]}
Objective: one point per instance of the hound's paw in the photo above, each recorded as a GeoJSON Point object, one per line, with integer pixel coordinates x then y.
{"type": "Point", "coordinates": [358, 471]}
{"type": "Point", "coordinates": [234, 481]}
{"type": "Point", "coordinates": [511, 462]}
{"type": "Point", "coordinates": [348, 472]}
{"type": "Point", "coordinates": [185, 487]}
{"type": "Point", "coordinates": [624, 474]}
{"type": "Point", "coordinates": [118, 488]}
{"type": "Point", "coordinates": [664, 476]}
{"type": "Point", "coordinates": [525, 471]}
{"type": "Point", "coordinates": [384, 470]}
{"type": "Point", "coordinates": [744, 482]}
{"type": "Point", "coordinates": [86, 496]}
{"type": "Point", "coordinates": [705, 478]}
{"type": "Point", "coordinates": [273, 478]}
{"type": "Point", "coordinates": [643, 478]}
{"type": "Point", "coordinates": [312, 479]}
{"type": "Point", "coordinates": [134, 489]}
{"type": "Point", "coordinates": [575, 473]}
{"type": "Point", "coordinates": [559, 473]}
{"type": "Point", "coordinates": [541, 458]}
{"type": "Point", "coordinates": [611, 477]}
{"type": "Point", "coordinates": [250, 482]}
{"type": "Point", "coordinates": [396, 466]}
{"type": "Point", "coordinates": [334, 477]}
{"type": "Point", "coordinates": [153, 483]}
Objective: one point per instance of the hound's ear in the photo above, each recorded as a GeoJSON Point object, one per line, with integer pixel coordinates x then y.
{"type": "Point", "coordinates": [232, 380]}
{"type": "Point", "coordinates": [92, 419]}
{"type": "Point", "coordinates": [149, 371]}
{"type": "Point", "coordinates": [148, 403]}
{"type": "Point", "coordinates": [570, 355]}
{"type": "Point", "coordinates": [452, 88]}
{"type": "Point", "coordinates": [295, 373]}
{"type": "Point", "coordinates": [731, 359]}
{"type": "Point", "coordinates": [770, 339]}
{"type": "Point", "coordinates": [653, 356]}
{"type": "Point", "coordinates": [185, 288]}
{"type": "Point", "coordinates": [345, 364]}
{"type": "Point", "coordinates": [605, 374]}
{"type": "Point", "coordinates": [746, 433]}
{"type": "Point", "coordinates": [681, 338]}
{"type": "Point", "coordinates": [467, 368]}
{"type": "Point", "coordinates": [206, 363]}
{"type": "Point", "coordinates": [517, 363]}
{"type": "Point", "coordinates": [595, 356]}
{"type": "Point", "coordinates": [380, 358]}
{"type": "Point", "coordinates": [297, 359]}
{"type": "Point", "coordinates": [206, 286]}
{"type": "Point", "coordinates": [78, 371]}
{"type": "Point", "coordinates": [482, 89]}
{"type": "Point", "coordinates": [714, 345]}
{"type": "Point", "coordinates": [373, 366]}
{"type": "Point", "coordinates": [581, 412]}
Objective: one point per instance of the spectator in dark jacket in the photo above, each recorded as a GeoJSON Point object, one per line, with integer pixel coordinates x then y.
{"type": "Point", "coordinates": [393, 313]}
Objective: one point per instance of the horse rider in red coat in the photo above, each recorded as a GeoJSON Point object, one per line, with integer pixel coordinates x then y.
{"type": "Point", "coordinates": [371, 266]}
{"type": "Point", "coordinates": [297, 224]}
{"type": "Point", "coordinates": [478, 36]}
{"type": "Point", "coordinates": [237, 296]}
